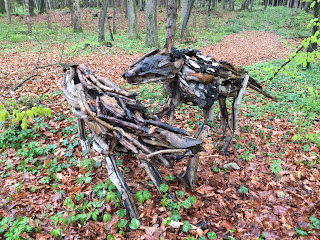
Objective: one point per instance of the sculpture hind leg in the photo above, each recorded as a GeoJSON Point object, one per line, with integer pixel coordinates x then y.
{"type": "Point", "coordinates": [81, 130]}
{"type": "Point", "coordinates": [234, 115]}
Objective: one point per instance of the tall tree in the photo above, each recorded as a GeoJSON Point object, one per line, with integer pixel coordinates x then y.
{"type": "Point", "coordinates": [151, 24]}
{"type": "Point", "coordinates": [70, 4]}
{"type": "Point", "coordinates": [28, 16]}
{"type": "Point", "coordinates": [114, 18]}
{"type": "Point", "coordinates": [183, 8]}
{"type": "Point", "coordinates": [186, 19]}
{"type": "Point", "coordinates": [77, 23]}
{"type": "Point", "coordinates": [294, 11]}
{"type": "Point", "coordinates": [313, 44]}
{"type": "Point", "coordinates": [102, 19]}
{"type": "Point", "coordinates": [42, 7]}
{"type": "Point", "coordinates": [48, 14]}
{"type": "Point", "coordinates": [2, 6]}
{"type": "Point", "coordinates": [8, 10]}
{"type": "Point", "coordinates": [132, 19]}
{"type": "Point", "coordinates": [31, 7]}
{"type": "Point", "coordinates": [171, 21]}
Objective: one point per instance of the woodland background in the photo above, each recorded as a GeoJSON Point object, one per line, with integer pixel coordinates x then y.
{"type": "Point", "coordinates": [49, 189]}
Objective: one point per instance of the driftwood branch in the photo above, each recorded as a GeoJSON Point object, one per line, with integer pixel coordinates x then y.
{"type": "Point", "coordinates": [285, 63]}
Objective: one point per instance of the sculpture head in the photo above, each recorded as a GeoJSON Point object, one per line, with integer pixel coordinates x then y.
{"type": "Point", "coordinates": [154, 68]}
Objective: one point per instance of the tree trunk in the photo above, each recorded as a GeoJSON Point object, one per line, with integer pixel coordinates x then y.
{"type": "Point", "coordinates": [151, 24]}
{"type": "Point", "coordinates": [195, 19]}
{"type": "Point", "coordinates": [183, 9]}
{"type": "Point", "coordinates": [141, 6]}
{"type": "Point", "coordinates": [186, 19]}
{"type": "Point", "coordinates": [313, 45]}
{"type": "Point", "coordinates": [207, 14]}
{"type": "Point", "coordinates": [28, 16]}
{"type": "Point", "coordinates": [251, 5]}
{"type": "Point", "coordinates": [31, 8]}
{"type": "Point", "coordinates": [171, 21]}
{"type": "Point", "coordinates": [2, 6]}
{"type": "Point", "coordinates": [48, 14]}
{"type": "Point", "coordinates": [114, 19]}
{"type": "Point", "coordinates": [132, 19]}
{"type": "Point", "coordinates": [125, 8]}
{"type": "Point", "coordinates": [306, 6]}
{"type": "Point", "coordinates": [42, 7]}
{"type": "Point", "coordinates": [109, 27]}
{"type": "Point", "coordinates": [231, 5]}
{"type": "Point", "coordinates": [7, 3]}
{"type": "Point", "coordinates": [221, 7]}
{"type": "Point", "coordinates": [102, 19]}
{"type": "Point", "coordinates": [77, 22]}
{"type": "Point", "coordinates": [70, 4]}
{"type": "Point", "coordinates": [266, 3]}
{"type": "Point", "coordinates": [294, 11]}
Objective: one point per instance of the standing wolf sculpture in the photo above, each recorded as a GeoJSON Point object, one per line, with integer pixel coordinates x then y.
{"type": "Point", "coordinates": [189, 76]}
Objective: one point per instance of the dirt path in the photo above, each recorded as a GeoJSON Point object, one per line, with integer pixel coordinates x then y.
{"type": "Point", "coordinates": [249, 47]}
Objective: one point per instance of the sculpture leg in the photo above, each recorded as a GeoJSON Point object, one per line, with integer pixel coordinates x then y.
{"type": "Point", "coordinates": [118, 180]}
{"type": "Point", "coordinates": [156, 177]}
{"type": "Point", "coordinates": [189, 177]}
{"type": "Point", "coordinates": [224, 116]}
{"type": "Point", "coordinates": [81, 130]}
{"type": "Point", "coordinates": [235, 107]}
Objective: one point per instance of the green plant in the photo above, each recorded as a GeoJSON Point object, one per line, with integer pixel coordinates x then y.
{"type": "Point", "coordinates": [134, 224]}
{"type": "Point", "coordinates": [143, 196]}
{"type": "Point", "coordinates": [13, 229]}
{"type": "Point", "coordinates": [212, 235]}
{"type": "Point", "coordinates": [243, 190]}
{"type": "Point", "coordinates": [186, 226]}
{"type": "Point", "coordinates": [276, 166]}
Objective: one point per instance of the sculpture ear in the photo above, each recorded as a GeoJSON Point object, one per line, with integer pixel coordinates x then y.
{"type": "Point", "coordinates": [178, 64]}
{"type": "Point", "coordinates": [163, 63]}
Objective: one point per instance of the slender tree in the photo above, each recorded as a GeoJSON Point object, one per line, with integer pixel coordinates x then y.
{"type": "Point", "coordinates": [102, 19]}
{"type": "Point", "coordinates": [294, 11]}
{"type": "Point", "coordinates": [186, 19]}
{"type": "Point", "coordinates": [28, 16]}
{"type": "Point", "coordinates": [42, 7]}
{"type": "Point", "coordinates": [171, 21]}
{"type": "Point", "coordinates": [207, 14]}
{"type": "Point", "coordinates": [31, 8]}
{"type": "Point", "coordinates": [48, 14]}
{"type": "Point", "coordinates": [183, 8]}
{"type": "Point", "coordinates": [132, 19]}
{"type": "Point", "coordinates": [114, 18]}
{"type": "Point", "coordinates": [7, 2]}
{"type": "Point", "coordinates": [70, 4]}
{"type": "Point", "coordinates": [2, 6]}
{"type": "Point", "coordinates": [151, 24]}
{"type": "Point", "coordinates": [313, 44]}
{"type": "Point", "coordinates": [77, 22]}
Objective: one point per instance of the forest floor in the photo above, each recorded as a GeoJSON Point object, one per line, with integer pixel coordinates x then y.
{"type": "Point", "coordinates": [272, 195]}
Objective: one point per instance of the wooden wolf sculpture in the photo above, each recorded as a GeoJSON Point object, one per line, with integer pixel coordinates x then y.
{"type": "Point", "coordinates": [189, 76]}
{"type": "Point", "coordinates": [118, 122]}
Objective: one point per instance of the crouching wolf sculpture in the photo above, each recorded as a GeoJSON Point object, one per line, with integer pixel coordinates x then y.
{"type": "Point", "coordinates": [189, 76]}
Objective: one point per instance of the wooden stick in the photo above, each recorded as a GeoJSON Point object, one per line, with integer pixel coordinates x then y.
{"type": "Point", "coordinates": [145, 56]}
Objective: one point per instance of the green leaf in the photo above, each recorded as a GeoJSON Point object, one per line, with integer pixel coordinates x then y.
{"type": "Point", "coordinates": [300, 232]}
{"type": "Point", "coordinates": [180, 193]}
{"type": "Point", "coordinates": [170, 177]}
{"type": "Point", "coordinates": [121, 212]}
{"type": "Point", "coordinates": [24, 123]}
{"type": "Point", "coordinates": [175, 216]}
{"type": "Point", "coordinates": [135, 223]}
{"type": "Point", "coordinates": [315, 222]}
{"type": "Point", "coordinates": [122, 223]}
{"type": "Point", "coordinates": [186, 226]}
{"type": "Point", "coordinates": [110, 237]}
{"type": "Point", "coordinates": [212, 235]}
{"type": "Point", "coordinates": [164, 188]}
